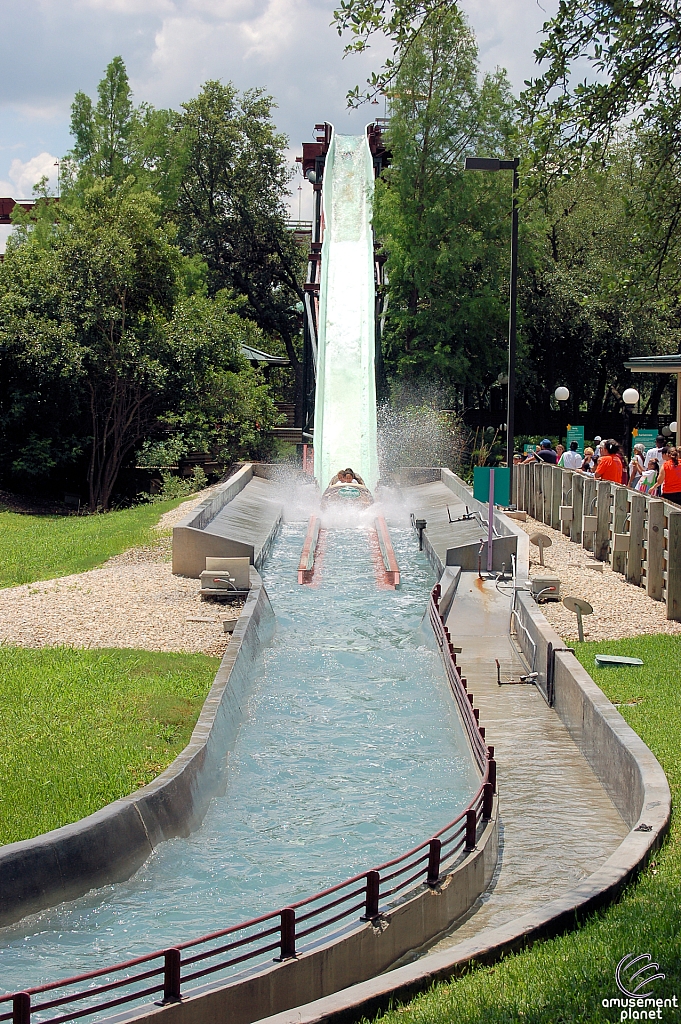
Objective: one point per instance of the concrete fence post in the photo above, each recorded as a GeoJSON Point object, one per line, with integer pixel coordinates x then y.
{"type": "Point", "coordinates": [589, 510]}
{"type": "Point", "coordinates": [556, 496]}
{"type": "Point", "coordinates": [577, 508]}
{"type": "Point", "coordinates": [566, 495]}
{"type": "Point", "coordinates": [637, 520]}
{"type": "Point", "coordinates": [655, 549]}
{"type": "Point", "coordinates": [674, 565]}
{"type": "Point", "coordinates": [603, 526]}
{"type": "Point", "coordinates": [620, 511]}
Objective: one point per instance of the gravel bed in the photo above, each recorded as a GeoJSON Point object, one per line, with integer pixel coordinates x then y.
{"type": "Point", "coordinates": [620, 609]}
{"type": "Point", "coordinates": [133, 600]}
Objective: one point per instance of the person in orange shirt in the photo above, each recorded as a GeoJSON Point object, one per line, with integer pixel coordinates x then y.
{"type": "Point", "coordinates": [610, 465]}
{"type": "Point", "coordinates": [669, 480]}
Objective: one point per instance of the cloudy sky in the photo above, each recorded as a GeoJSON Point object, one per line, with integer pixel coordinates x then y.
{"type": "Point", "coordinates": [52, 48]}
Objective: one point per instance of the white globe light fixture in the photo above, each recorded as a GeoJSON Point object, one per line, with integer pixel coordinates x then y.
{"type": "Point", "coordinates": [630, 396]}
{"type": "Point", "coordinates": [562, 394]}
{"type": "Point", "coordinates": [667, 431]}
{"type": "Point", "coordinates": [673, 427]}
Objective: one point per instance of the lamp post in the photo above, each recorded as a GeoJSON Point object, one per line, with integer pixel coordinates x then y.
{"type": "Point", "coordinates": [630, 398]}
{"type": "Point", "coordinates": [561, 394]}
{"type": "Point", "coordinates": [474, 163]}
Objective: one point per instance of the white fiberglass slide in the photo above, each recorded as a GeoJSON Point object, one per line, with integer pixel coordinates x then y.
{"type": "Point", "coordinates": [345, 401]}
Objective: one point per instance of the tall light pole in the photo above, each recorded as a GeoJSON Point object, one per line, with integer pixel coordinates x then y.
{"type": "Point", "coordinates": [475, 163]}
{"type": "Point", "coordinates": [630, 399]}
{"type": "Point", "coordinates": [561, 394]}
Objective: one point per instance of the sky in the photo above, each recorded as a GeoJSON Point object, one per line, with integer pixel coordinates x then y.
{"type": "Point", "coordinates": [52, 48]}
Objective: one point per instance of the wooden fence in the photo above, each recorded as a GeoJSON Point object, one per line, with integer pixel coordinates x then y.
{"type": "Point", "coordinates": [637, 535]}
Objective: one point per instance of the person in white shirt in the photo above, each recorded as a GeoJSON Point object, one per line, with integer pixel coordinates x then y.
{"type": "Point", "coordinates": [656, 453]}
{"type": "Point", "coordinates": [571, 459]}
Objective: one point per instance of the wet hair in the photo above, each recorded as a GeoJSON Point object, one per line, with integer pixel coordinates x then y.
{"type": "Point", "coordinates": [350, 471]}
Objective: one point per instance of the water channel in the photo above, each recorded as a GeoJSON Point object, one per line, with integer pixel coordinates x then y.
{"type": "Point", "coordinates": [350, 752]}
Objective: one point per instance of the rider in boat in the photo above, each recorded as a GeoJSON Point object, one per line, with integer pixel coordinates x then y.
{"type": "Point", "coordinates": [347, 485]}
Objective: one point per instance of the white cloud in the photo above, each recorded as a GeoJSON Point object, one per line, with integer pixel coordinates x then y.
{"type": "Point", "coordinates": [25, 174]}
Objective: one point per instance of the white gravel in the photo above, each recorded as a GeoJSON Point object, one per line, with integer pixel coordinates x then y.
{"type": "Point", "coordinates": [133, 600]}
{"type": "Point", "coordinates": [620, 609]}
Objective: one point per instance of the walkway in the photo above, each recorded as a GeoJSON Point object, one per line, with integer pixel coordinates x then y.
{"type": "Point", "coordinates": [558, 824]}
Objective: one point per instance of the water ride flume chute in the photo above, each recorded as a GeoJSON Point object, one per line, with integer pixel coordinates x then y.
{"type": "Point", "coordinates": [345, 432]}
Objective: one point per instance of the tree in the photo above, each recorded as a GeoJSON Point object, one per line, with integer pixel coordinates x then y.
{"type": "Point", "coordinates": [231, 212]}
{"type": "Point", "coordinates": [114, 139]}
{"type": "Point", "coordinates": [446, 233]}
{"type": "Point", "coordinates": [89, 307]}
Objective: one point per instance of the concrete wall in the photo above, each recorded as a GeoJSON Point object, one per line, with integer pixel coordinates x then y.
{"type": "Point", "coordinates": [625, 767]}
{"type": "Point", "coordinates": [191, 545]}
{"type": "Point", "coordinates": [110, 845]}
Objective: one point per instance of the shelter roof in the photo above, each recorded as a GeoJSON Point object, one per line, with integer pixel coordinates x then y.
{"type": "Point", "coordinates": [256, 356]}
{"type": "Point", "coordinates": [655, 364]}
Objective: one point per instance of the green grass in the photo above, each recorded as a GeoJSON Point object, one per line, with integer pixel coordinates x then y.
{"type": "Point", "coordinates": [565, 979]}
{"type": "Point", "coordinates": [79, 728]}
{"type": "Point", "coordinates": [42, 547]}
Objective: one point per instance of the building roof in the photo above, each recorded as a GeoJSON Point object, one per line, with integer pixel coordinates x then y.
{"type": "Point", "coordinates": [655, 364]}
{"type": "Point", "coordinates": [256, 356]}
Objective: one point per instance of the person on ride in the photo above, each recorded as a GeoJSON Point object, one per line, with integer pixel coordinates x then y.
{"type": "Point", "coordinates": [610, 465]}
{"type": "Point", "coordinates": [347, 476]}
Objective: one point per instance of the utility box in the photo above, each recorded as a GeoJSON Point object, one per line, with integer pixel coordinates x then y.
{"type": "Point", "coordinates": [224, 577]}
{"type": "Point", "coordinates": [545, 588]}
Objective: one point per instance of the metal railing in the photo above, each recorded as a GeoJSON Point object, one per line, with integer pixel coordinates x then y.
{"type": "Point", "coordinates": [170, 973]}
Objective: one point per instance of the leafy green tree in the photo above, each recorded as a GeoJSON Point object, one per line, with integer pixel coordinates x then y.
{"type": "Point", "coordinates": [89, 307]}
{"type": "Point", "coordinates": [446, 233]}
{"type": "Point", "coordinates": [230, 207]}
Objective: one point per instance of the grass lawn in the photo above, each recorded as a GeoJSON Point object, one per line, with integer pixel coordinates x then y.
{"type": "Point", "coordinates": [42, 547]}
{"type": "Point", "coordinates": [79, 728]}
{"type": "Point", "coordinates": [565, 979]}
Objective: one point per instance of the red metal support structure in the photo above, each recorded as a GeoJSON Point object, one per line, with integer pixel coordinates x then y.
{"type": "Point", "coordinates": [171, 975]}
{"type": "Point", "coordinates": [288, 933]}
{"type": "Point", "coordinates": [307, 557]}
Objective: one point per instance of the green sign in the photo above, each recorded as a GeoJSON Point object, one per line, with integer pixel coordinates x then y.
{"type": "Point", "coordinates": [646, 437]}
{"type": "Point", "coordinates": [529, 448]}
{"type": "Point", "coordinates": [575, 434]}
{"type": "Point", "coordinates": [502, 484]}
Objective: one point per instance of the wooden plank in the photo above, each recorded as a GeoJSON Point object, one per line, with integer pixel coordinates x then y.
{"type": "Point", "coordinates": [556, 496]}
{"type": "Point", "coordinates": [620, 510]}
{"type": "Point", "coordinates": [577, 508]}
{"type": "Point", "coordinates": [655, 547]}
{"type": "Point", "coordinates": [602, 544]}
{"type": "Point", "coordinates": [637, 520]}
{"type": "Point", "coordinates": [674, 565]}
{"type": "Point", "coordinates": [566, 478]}
{"type": "Point", "coordinates": [589, 507]}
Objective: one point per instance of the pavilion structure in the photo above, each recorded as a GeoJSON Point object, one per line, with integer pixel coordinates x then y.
{"type": "Point", "coordinates": [661, 364]}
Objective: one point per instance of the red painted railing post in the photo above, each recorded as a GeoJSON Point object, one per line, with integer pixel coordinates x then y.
{"type": "Point", "coordinates": [21, 1008]}
{"type": "Point", "coordinates": [434, 862]}
{"type": "Point", "coordinates": [288, 933]}
{"type": "Point", "coordinates": [471, 829]}
{"type": "Point", "coordinates": [487, 801]}
{"type": "Point", "coordinates": [482, 732]}
{"type": "Point", "coordinates": [493, 774]}
{"type": "Point", "coordinates": [490, 752]}
{"type": "Point", "coordinates": [464, 681]}
{"type": "Point", "coordinates": [470, 699]}
{"type": "Point", "coordinates": [476, 714]}
{"type": "Point", "coordinates": [373, 885]}
{"type": "Point", "coordinates": [171, 975]}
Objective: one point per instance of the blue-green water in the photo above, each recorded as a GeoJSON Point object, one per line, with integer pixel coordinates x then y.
{"type": "Point", "coordinates": [350, 752]}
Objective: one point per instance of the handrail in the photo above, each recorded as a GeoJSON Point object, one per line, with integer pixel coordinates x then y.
{"type": "Point", "coordinates": [373, 892]}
